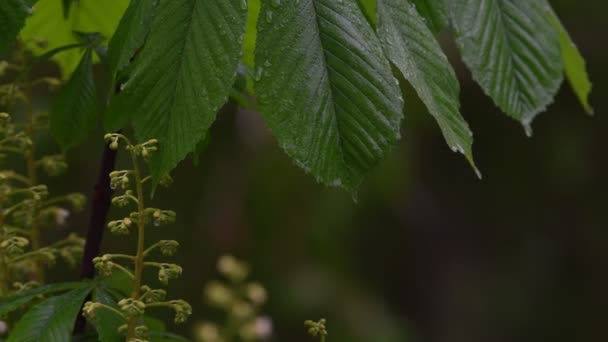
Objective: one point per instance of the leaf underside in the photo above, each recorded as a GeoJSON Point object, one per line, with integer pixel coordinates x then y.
{"type": "Point", "coordinates": [74, 113]}
{"type": "Point", "coordinates": [412, 47]}
{"type": "Point", "coordinates": [182, 75]}
{"type": "Point", "coordinates": [326, 89]}
{"type": "Point", "coordinates": [48, 24]}
{"type": "Point", "coordinates": [574, 63]}
{"type": "Point", "coordinates": [513, 52]}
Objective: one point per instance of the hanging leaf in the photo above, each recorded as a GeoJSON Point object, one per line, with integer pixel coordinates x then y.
{"type": "Point", "coordinates": [325, 88]}
{"type": "Point", "coordinates": [49, 25]}
{"type": "Point", "coordinates": [74, 113]}
{"type": "Point", "coordinates": [574, 63]}
{"type": "Point", "coordinates": [434, 12]}
{"type": "Point", "coordinates": [513, 51]}
{"type": "Point", "coordinates": [411, 46]}
{"type": "Point", "coordinates": [12, 18]}
{"type": "Point", "coordinates": [51, 320]}
{"type": "Point", "coordinates": [182, 75]}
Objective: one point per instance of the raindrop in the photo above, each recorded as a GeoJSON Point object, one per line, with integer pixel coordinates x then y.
{"type": "Point", "coordinates": [275, 3]}
{"type": "Point", "coordinates": [243, 4]}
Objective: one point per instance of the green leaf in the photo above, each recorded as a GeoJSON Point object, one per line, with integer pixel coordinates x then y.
{"type": "Point", "coordinates": [12, 18]}
{"type": "Point", "coordinates": [574, 63]}
{"type": "Point", "coordinates": [326, 89]}
{"type": "Point", "coordinates": [131, 33]}
{"type": "Point", "coordinates": [107, 322]}
{"type": "Point", "coordinates": [369, 9]}
{"type": "Point", "coordinates": [434, 12]}
{"type": "Point", "coordinates": [513, 52]}
{"type": "Point", "coordinates": [48, 24]}
{"type": "Point", "coordinates": [182, 75]}
{"type": "Point", "coordinates": [15, 302]}
{"type": "Point", "coordinates": [411, 46]}
{"type": "Point", "coordinates": [51, 320]}
{"type": "Point", "coordinates": [74, 113]}
{"type": "Point", "coordinates": [124, 47]}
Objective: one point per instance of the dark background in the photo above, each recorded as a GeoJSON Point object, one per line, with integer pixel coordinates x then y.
{"type": "Point", "coordinates": [428, 252]}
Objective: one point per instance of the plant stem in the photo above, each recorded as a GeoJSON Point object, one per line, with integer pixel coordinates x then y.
{"type": "Point", "coordinates": [100, 205]}
{"type": "Point", "coordinates": [139, 256]}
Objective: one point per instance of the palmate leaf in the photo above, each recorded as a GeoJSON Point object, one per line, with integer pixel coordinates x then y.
{"type": "Point", "coordinates": [74, 113]}
{"type": "Point", "coordinates": [51, 320]}
{"type": "Point", "coordinates": [182, 75]}
{"type": "Point", "coordinates": [12, 18]}
{"type": "Point", "coordinates": [325, 88]}
{"type": "Point", "coordinates": [411, 46]}
{"type": "Point", "coordinates": [48, 24]}
{"type": "Point", "coordinates": [513, 51]}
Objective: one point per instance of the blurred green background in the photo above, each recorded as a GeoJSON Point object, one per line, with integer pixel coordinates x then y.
{"type": "Point", "coordinates": [428, 252]}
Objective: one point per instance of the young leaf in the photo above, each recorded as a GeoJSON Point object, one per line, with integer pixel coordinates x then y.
{"type": "Point", "coordinates": [512, 49]}
{"type": "Point", "coordinates": [434, 12]}
{"type": "Point", "coordinates": [12, 18]}
{"type": "Point", "coordinates": [51, 320]}
{"type": "Point", "coordinates": [411, 46]}
{"type": "Point", "coordinates": [326, 89]}
{"type": "Point", "coordinates": [15, 302]}
{"type": "Point", "coordinates": [574, 63]}
{"type": "Point", "coordinates": [74, 113]}
{"type": "Point", "coordinates": [182, 75]}
{"type": "Point", "coordinates": [48, 24]}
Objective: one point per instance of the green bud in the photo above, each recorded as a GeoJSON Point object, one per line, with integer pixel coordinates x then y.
{"type": "Point", "coordinates": [183, 310]}
{"type": "Point", "coordinates": [168, 271]}
{"type": "Point", "coordinates": [168, 247]}
{"type": "Point", "coordinates": [131, 307]}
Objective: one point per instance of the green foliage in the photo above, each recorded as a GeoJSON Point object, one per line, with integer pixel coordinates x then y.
{"type": "Point", "coordinates": [574, 64]}
{"type": "Point", "coordinates": [326, 89]}
{"type": "Point", "coordinates": [324, 82]}
{"type": "Point", "coordinates": [434, 11]}
{"type": "Point", "coordinates": [513, 52]}
{"type": "Point", "coordinates": [74, 114]}
{"type": "Point", "coordinates": [49, 29]}
{"type": "Point", "coordinates": [19, 300]}
{"type": "Point", "coordinates": [182, 76]}
{"type": "Point", "coordinates": [51, 320]}
{"type": "Point", "coordinates": [426, 67]}
{"type": "Point", "coordinates": [12, 16]}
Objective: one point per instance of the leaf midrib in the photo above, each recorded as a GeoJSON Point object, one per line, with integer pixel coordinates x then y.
{"type": "Point", "coordinates": [331, 87]}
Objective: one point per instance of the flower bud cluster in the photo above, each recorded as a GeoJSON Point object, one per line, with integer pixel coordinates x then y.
{"type": "Point", "coordinates": [241, 300]}
{"type": "Point", "coordinates": [317, 328]}
{"type": "Point", "coordinates": [133, 308]}
{"type": "Point", "coordinates": [27, 206]}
